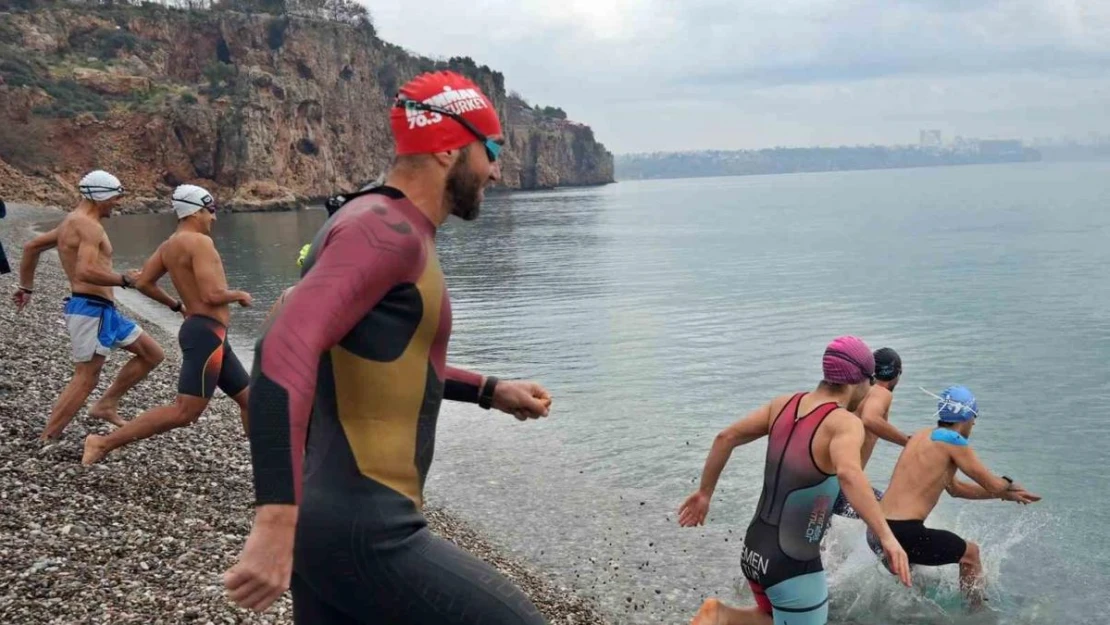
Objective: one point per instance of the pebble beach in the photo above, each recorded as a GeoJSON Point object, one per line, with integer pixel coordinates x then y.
{"type": "Point", "coordinates": [146, 535]}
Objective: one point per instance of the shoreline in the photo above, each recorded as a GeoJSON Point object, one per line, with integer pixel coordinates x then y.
{"type": "Point", "coordinates": [144, 205]}
{"type": "Point", "coordinates": [144, 536]}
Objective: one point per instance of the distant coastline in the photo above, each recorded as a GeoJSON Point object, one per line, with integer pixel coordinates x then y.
{"type": "Point", "coordinates": [712, 163]}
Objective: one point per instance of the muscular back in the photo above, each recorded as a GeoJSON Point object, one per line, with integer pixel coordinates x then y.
{"type": "Point", "coordinates": [195, 268]}
{"type": "Point", "coordinates": [837, 421]}
{"type": "Point", "coordinates": [923, 471]}
{"type": "Point", "coordinates": [80, 234]}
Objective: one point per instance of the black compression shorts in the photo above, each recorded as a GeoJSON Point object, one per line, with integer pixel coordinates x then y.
{"type": "Point", "coordinates": [924, 546]}
{"type": "Point", "coordinates": [208, 361]}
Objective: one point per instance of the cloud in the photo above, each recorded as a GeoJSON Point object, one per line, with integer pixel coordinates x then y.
{"type": "Point", "coordinates": [650, 74]}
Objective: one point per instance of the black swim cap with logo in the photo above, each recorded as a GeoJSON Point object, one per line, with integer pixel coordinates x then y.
{"type": "Point", "coordinates": [888, 364]}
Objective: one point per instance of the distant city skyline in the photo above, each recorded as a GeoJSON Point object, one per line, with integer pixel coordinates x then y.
{"type": "Point", "coordinates": [1089, 139]}
{"type": "Point", "coordinates": [652, 75]}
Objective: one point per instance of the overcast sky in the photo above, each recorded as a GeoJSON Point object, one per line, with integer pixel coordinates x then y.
{"type": "Point", "coordinates": [662, 75]}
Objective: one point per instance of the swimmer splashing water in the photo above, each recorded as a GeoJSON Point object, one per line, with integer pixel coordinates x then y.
{"type": "Point", "coordinates": [813, 452]}
{"type": "Point", "coordinates": [927, 467]}
{"type": "Point", "coordinates": [360, 346]}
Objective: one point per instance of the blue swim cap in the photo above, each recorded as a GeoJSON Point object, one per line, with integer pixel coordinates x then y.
{"type": "Point", "coordinates": [957, 405]}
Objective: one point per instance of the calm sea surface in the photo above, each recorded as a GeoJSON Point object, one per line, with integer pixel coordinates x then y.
{"type": "Point", "coordinates": [658, 312]}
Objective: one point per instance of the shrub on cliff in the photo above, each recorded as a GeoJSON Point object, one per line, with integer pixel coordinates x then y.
{"type": "Point", "coordinates": [26, 146]}
{"type": "Point", "coordinates": [551, 112]}
{"type": "Point", "coordinates": [220, 77]}
{"type": "Point", "coordinates": [21, 5]}
{"type": "Point", "coordinates": [70, 99]}
{"type": "Point", "coordinates": [348, 12]}
{"type": "Point", "coordinates": [107, 43]}
{"type": "Point", "coordinates": [16, 71]}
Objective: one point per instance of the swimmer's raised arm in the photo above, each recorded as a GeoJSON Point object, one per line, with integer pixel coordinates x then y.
{"type": "Point", "coordinates": [520, 398]}
{"type": "Point", "coordinates": [751, 427]}
{"type": "Point", "coordinates": [847, 439]}
{"type": "Point", "coordinates": [968, 462]}
{"type": "Point", "coordinates": [966, 490]}
{"type": "Point", "coordinates": [209, 275]}
{"type": "Point", "coordinates": [89, 269]}
{"type": "Point", "coordinates": [875, 419]}
{"type": "Point", "coordinates": [147, 282]}
{"type": "Point", "coordinates": [29, 262]}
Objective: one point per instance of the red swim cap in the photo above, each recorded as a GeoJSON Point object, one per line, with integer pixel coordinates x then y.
{"type": "Point", "coordinates": [423, 132]}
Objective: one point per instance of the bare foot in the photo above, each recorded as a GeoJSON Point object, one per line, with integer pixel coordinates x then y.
{"type": "Point", "coordinates": [94, 450]}
{"type": "Point", "coordinates": [975, 602]}
{"type": "Point", "coordinates": [708, 614]}
{"type": "Point", "coordinates": [108, 411]}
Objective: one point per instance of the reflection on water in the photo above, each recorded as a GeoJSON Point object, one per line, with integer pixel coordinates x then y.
{"type": "Point", "coordinates": [657, 312]}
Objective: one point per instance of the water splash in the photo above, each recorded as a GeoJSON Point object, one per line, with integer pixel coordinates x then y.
{"type": "Point", "coordinates": [862, 592]}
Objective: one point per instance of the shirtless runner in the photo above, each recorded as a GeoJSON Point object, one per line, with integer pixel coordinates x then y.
{"type": "Point", "coordinates": [928, 466]}
{"type": "Point", "coordinates": [208, 362]}
{"type": "Point", "coordinates": [95, 326]}
{"type": "Point", "coordinates": [874, 411]}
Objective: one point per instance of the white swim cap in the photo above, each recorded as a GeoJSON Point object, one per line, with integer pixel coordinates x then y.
{"type": "Point", "coordinates": [100, 186]}
{"type": "Point", "coordinates": [189, 198]}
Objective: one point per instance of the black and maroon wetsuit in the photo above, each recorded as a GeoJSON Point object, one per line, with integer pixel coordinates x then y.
{"type": "Point", "coordinates": [781, 556]}
{"type": "Point", "coordinates": [350, 375]}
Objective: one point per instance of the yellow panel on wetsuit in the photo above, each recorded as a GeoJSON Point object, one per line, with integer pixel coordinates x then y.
{"type": "Point", "coordinates": [380, 402]}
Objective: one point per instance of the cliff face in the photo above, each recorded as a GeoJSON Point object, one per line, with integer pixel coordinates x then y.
{"type": "Point", "coordinates": [268, 111]}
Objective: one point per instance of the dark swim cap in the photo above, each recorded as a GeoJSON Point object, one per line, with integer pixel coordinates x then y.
{"type": "Point", "coordinates": [888, 364]}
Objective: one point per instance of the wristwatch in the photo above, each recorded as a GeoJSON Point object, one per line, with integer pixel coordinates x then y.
{"type": "Point", "coordinates": [485, 397]}
{"type": "Point", "coordinates": [177, 307]}
{"type": "Point", "coordinates": [1009, 482]}
{"type": "Point", "coordinates": [125, 282]}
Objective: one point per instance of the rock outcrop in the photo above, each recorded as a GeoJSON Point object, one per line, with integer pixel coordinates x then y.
{"type": "Point", "coordinates": [268, 111]}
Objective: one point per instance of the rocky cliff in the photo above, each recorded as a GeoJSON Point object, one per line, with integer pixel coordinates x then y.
{"type": "Point", "coordinates": [267, 110]}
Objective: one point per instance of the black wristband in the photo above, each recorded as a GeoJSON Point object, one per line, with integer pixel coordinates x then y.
{"type": "Point", "coordinates": [124, 282]}
{"type": "Point", "coordinates": [453, 390]}
{"type": "Point", "coordinates": [485, 397]}
{"type": "Point", "coordinates": [177, 306]}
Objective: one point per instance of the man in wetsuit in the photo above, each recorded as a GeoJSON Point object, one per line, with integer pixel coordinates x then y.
{"type": "Point", "coordinates": [813, 452]}
{"type": "Point", "coordinates": [95, 325]}
{"type": "Point", "coordinates": [360, 346]}
{"type": "Point", "coordinates": [208, 362]}
{"type": "Point", "coordinates": [928, 466]}
{"type": "Point", "coordinates": [874, 411]}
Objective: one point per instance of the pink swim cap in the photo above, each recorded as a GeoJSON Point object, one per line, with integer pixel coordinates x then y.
{"type": "Point", "coordinates": [848, 360]}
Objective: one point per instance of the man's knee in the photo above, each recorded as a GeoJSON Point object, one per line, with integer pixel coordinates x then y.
{"type": "Point", "coordinates": [971, 554]}
{"type": "Point", "coordinates": [154, 354]}
{"type": "Point", "coordinates": [87, 374]}
{"type": "Point", "coordinates": [189, 410]}
{"type": "Point", "coordinates": [146, 348]}
{"type": "Point", "coordinates": [242, 398]}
